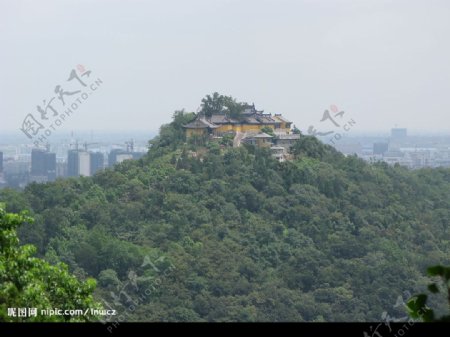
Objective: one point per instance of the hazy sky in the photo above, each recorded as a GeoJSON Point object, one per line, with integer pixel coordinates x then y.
{"type": "Point", "coordinates": [384, 63]}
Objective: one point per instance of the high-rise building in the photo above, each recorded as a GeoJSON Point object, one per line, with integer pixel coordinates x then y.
{"type": "Point", "coordinates": [112, 157]}
{"type": "Point", "coordinates": [78, 163]}
{"type": "Point", "coordinates": [84, 164]}
{"type": "Point", "coordinates": [117, 156]}
{"type": "Point", "coordinates": [73, 164]}
{"type": "Point", "coordinates": [398, 133]}
{"type": "Point", "coordinates": [61, 169]}
{"type": "Point", "coordinates": [43, 165]}
{"type": "Point", "coordinates": [123, 156]}
{"type": "Point", "coordinates": [38, 166]}
{"type": "Point", "coordinates": [97, 162]}
{"type": "Point", "coordinates": [380, 148]}
{"type": "Point", "coordinates": [50, 165]}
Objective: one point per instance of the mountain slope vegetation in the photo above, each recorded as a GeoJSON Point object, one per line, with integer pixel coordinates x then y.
{"type": "Point", "coordinates": [213, 233]}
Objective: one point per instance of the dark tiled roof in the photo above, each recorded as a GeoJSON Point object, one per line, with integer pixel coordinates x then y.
{"type": "Point", "coordinates": [281, 118]}
{"type": "Point", "coordinates": [266, 119]}
{"type": "Point", "coordinates": [200, 123]}
{"type": "Point", "coordinates": [250, 116]}
{"type": "Point", "coordinates": [251, 120]}
{"type": "Point", "coordinates": [222, 119]}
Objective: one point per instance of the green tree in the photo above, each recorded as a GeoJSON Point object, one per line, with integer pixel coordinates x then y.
{"type": "Point", "coordinates": [324, 237]}
{"type": "Point", "coordinates": [29, 282]}
{"type": "Point", "coordinates": [172, 134]}
{"type": "Point", "coordinates": [417, 305]}
{"type": "Point", "coordinates": [233, 109]}
{"type": "Point", "coordinates": [268, 130]}
{"type": "Point", "coordinates": [296, 131]}
{"type": "Point", "coordinates": [308, 146]}
{"type": "Point", "coordinates": [220, 104]}
{"type": "Point", "coordinates": [212, 104]}
{"type": "Point", "coordinates": [227, 139]}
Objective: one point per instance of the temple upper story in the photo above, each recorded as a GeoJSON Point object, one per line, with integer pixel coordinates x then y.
{"type": "Point", "coordinates": [249, 120]}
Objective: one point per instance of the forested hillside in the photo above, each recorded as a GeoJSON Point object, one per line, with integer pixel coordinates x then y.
{"type": "Point", "coordinates": [212, 233]}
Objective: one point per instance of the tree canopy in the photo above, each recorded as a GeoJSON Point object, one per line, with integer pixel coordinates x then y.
{"type": "Point", "coordinates": [30, 282]}
{"type": "Point", "coordinates": [220, 104]}
{"type": "Point", "coordinates": [214, 233]}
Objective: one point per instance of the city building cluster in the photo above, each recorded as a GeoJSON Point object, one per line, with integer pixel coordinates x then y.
{"type": "Point", "coordinates": [23, 165]}
{"type": "Point", "coordinates": [412, 151]}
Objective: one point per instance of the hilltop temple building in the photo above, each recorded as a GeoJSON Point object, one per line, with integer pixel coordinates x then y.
{"type": "Point", "coordinates": [250, 128]}
{"type": "Point", "coordinates": [251, 120]}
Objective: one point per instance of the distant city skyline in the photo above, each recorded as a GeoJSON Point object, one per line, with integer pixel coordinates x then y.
{"type": "Point", "coordinates": [14, 137]}
{"type": "Point", "coordinates": [384, 62]}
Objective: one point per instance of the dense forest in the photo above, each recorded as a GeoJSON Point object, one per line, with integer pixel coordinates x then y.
{"type": "Point", "coordinates": [206, 232]}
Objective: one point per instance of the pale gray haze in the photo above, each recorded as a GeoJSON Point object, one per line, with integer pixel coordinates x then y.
{"type": "Point", "coordinates": [385, 63]}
